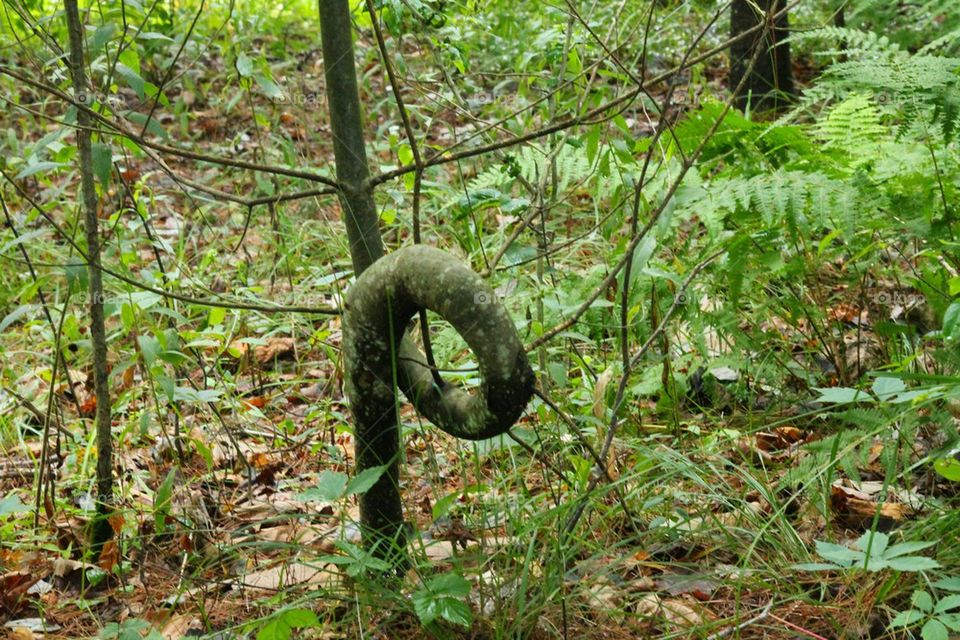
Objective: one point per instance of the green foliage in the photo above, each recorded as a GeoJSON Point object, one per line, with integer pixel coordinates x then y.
{"type": "Point", "coordinates": [938, 616]}
{"type": "Point", "coordinates": [871, 552]}
{"type": "Point", "coordinates": [443, 597]}
{"type": "Point", "coordinates": [129, 629]}
{"type": "Point", "coordinates": [282, 625]}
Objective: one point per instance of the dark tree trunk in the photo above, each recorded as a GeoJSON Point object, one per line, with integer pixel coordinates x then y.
{"type": "Point", "coordinates": [769, 85]}
{"type": "Point", "coordinates": [378, 355]}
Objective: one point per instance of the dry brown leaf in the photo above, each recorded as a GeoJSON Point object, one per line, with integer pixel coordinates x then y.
{"type": "Point", "coordinates": [287, 575]}
{"type": "Point", "coordinates": [680, 613]}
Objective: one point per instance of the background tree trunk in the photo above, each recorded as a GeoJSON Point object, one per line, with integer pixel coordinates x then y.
{"type": "Point", "coordinates": [770, 83]}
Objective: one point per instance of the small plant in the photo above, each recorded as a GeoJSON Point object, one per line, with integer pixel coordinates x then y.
{"type": "Point", "coordinates": [939, 616]}
{"type": "Point", "coordinates": [871, 551]}
{"type": "Point", "coordinates": [444, 597]}
{"type": "Point", "coordinates": [282, 625]}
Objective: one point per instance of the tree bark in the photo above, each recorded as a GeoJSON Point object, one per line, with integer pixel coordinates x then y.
{"type": "Point", "coordinates": [378, 307]}
{"type": "Point", "coordinates": [101, 531]}
{"type": "Point", "coordinates": [770, 84]}
{"type": "Point", "coordinates": [378, 354]}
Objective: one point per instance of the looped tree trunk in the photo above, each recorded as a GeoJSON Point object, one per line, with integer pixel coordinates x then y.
{"type": "Point", "coordinates": [379, 357]}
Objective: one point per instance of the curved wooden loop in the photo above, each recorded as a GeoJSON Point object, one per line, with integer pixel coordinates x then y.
{"type": "Point", "coordinates": [379, 357]}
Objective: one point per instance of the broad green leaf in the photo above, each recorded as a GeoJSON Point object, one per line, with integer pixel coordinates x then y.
{"type": "Point", "coordinates": [952, 620]}
{"type": "Point", "coordinates": [947, 604]}
{"type": "Point", "coordinates": [904, 548]}
{"type": "Point", "coordinates": [22, 311]}
{"type": "Point", "coordinates": [281, 626]}
{"type": "Point", "coordinates": [101, 36]}
{"type": "Point", "coordinates": [841, 395]}
{"type": "Point", "coordinates": [11, 504]}
{"type": "Point", "coordinates": [150, 348]}
{"type": "Point", "coordinates": [950, 583]}
{"type": "Point", "coordinates": [922, 600]}
{"type": "Point", "coordinates": [362, 482]}
{"type": "Point", "coordinates": [244, 65]}
{"type": "Point", "coordinates": [934, 630]}
{"type": "Point", "coordinates": [886, 388]}
{"type": "Point", "coordinates": [949, 468]}
{"type": "Point", "coordinates": [102, 162]}
{"type": "Point", "coordinates": [951, 321]}
{"type": "Point", "coordinates": [907, 618]}
{"type": "Point", "coordinates": [913, 563]}
{"type": "Point", "coordinates": [875, 541]}
{"type": "Point", "coordinates": [330, 487]}
{"type": "Point", "coordinates": [837, 553]}
{"type": "Point", "coordinates": [816, 566]}
{"type": "Point", "coordinates": [269, 87]}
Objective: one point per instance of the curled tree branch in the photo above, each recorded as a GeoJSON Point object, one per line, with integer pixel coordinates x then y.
{"type": "Point", "coordinates": [377, 359]}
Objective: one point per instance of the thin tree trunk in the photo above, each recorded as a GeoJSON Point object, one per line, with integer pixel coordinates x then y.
{"type": "Point", "coordinates": [356, 196]}
{"type": "Point", "coordinates": [102, 531]}
{"type": "Point", "coordinates": [770, 84]}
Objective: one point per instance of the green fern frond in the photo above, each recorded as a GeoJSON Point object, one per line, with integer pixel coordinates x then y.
{"type": "Point", "coordinates": [853, 126]}
{"type": "Point", "coordinates": [856, 42]}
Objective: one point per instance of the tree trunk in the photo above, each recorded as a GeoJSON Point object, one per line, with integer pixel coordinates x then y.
{"type": "Point", "coordinates": [770, 83]}
{"type": "Point", "coordinates": [378, 354]}
{"type": "Point", "coordinates": [101, 527]}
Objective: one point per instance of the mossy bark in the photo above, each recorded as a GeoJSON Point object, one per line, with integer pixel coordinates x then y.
{"type": "Point", "coordinates": [377, 357]}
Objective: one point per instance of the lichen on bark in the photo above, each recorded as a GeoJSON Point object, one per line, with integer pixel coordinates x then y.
{"type": "Point", "coordinates": [379, 358]}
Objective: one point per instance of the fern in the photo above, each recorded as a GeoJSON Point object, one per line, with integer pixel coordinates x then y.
{"type": "Point", "coordinates": [853, 126]}
{"type": "Point", "coordinates": [804, 200]}
{"type": "Point", "coordinates": [856, 42]}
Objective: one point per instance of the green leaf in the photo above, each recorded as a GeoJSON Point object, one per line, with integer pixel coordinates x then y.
{"type": "Point", "coordinates": [875, 541]}
{"type": "Point", "coordinates": [922, 600]}
{"type": "Point", "coordinates": [952, 620]}
{"type": "Point", "coordinates": [216, 316]}
{"type": "Point", "coordinates": [904, 548]}
{"type": "Point", "coordinates": [330, 487]}
{"type": "Point", "coordinates": [362, 482]}
{"type": "Point", "coordinates": [162, 502]}
{"type": "Point", "coordinates": [907, 618]}
{"type": "Point", "coordinates": [951, 321]}
{"type": "Point", "coordinates": [37, 167]}
{"type": "Point", "coordinates": [281, 627]}
{"type": "Point", "coordinates": [102, 162]}
{"type": "Point", "coordinates": [950, 583]}
{"type": "Point", "coordinates": [934, 630]}
{"type": "Point", "coordinates": [132, 78]}
{"type": "Point", "coordinates": [913, 564]}
{"type": "Point", "coordinates": [948, 603]}
{"type": "Point", "coordinates": [443, 597]}
{"type": "Point", "coordinates": [244, 65]}
{"type": "Point", "coordinates": [885, 388]}
{"type": "Point", "coordinates": [949, 468]}
{"type": "Point", "coordinates": [22, 311]}
{"type": "Point", "coordinates": [101, 36]}
{"type": "Point", "coordinates": [11, 504]}
{"type": "Point", "coordinates": [816, 566]}
{"type": "Point", "coordinates": [269, 87]}
{"type": "Point", "coordinates": [153, 126]}
{"type": "Point", "coordinates": [838, 553]}
{"type": "Point", "coordinates": [841, 395]}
